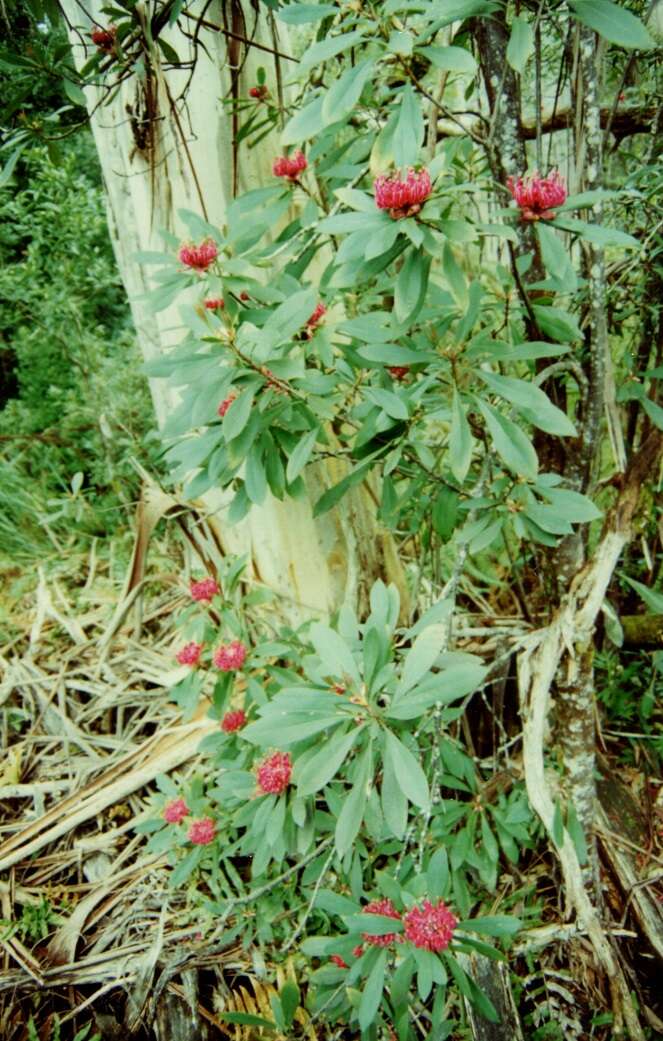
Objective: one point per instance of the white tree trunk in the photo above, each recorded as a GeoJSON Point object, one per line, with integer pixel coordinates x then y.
{"type": "Point", "coordinates": [189, 165]}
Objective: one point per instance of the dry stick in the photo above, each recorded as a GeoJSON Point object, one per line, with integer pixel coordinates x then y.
{"type": "Point", "coordinates": [538, 666]}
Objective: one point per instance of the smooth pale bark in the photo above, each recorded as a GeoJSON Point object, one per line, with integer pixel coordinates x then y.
{"type": "Point", "coordinates": [313, 565]}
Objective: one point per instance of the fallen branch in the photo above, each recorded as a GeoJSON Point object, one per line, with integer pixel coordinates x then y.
{"type": "Point", "coordinates": [538, 664]}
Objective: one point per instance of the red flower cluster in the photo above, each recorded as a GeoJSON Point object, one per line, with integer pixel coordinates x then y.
{"type": "Point", "coordinates": [175, 811]}
{"type": "Point", "coordinates": [189, 654]}
{"type": "Point", "coordinates": [205, 590]}
{"type": "Point", "coordinates": [259, 92]}
{"type": "Point", "coordinates": [225, 405]}
{"type": "Point", "coordinates": [202, 832]}
{"type": "Point", "coordinates": [198, 257]}
{"type": "Point", "coordinates": [289, 166]}
{"type": "Point", "coordinates": [537, 196]}
{"type": "Point", "coordinates": [274, 773]}
{"type": "Point", "coordinates": [104, 39]}
{"type": "Point", "coordinates": [398, 372]}
{"type": "Point", "coordinates": [215, 303]}
{"type": "Point", "coordinates": [402, 197]}
{"type": "Point", "coordinates": [233, 721]}
{"type": "Point", "coordinates": [383, 907]}
{"type": "Point", "coordinates": [230, 656]}
{"type": "Point", "coordinates": [430, 926]}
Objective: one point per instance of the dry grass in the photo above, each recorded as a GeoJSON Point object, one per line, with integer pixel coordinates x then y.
{"type": "Point", "coordinates": [86, 728]}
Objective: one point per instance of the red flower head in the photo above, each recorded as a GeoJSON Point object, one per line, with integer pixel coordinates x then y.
{"type": "Point", "coordinates": [189, 654]}
{"type": "Point", "coordinates": [233, 721]}
{"type": "Point", "coordinates": [104, 39]}
{"type": "Point", "coordinates": [430, 926]}
{"type": "Point", "coordinates": [204, 590]}
{"type": "Point", "coordinates": [198, 257]}
{"type": "Point", "coordinates": [225, 405]}
{"type": "Point", "coordinates": [274, 773]}
{"type": "Point", "coordinates": [290, 166]}
{"type": "Point", "coordinates": [398, 372]}
{"type": "Point", "coordinates": [402, 197]}
{"type": "Point", "coordinates": [175, 811]}
{"type": "Point", "coordinates": [201, 832]}
{"type": "Point", "coordinates": [230, 656]}
{"type": "Point", "coordinates": [383, 907]}
{"type": "Point", "coordinates": [537, 196]}
{"type": "Point", "coordinates": [337, 960]}
{"type": "Point", "coordinates": [215, 303]}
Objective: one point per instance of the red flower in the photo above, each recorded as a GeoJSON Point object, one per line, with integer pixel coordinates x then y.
{"type": "Point", "coordinates": [537, 196]}
{"type": "Point", "coordinates": [259, 92]}
{"type": "Point", "coordinates": [386, 908]}
{"type": "Point", "coordinates": [399, 372]}
{"type": "Point", "coordinates": [198, 257]}
{"type": "Point", "coordinates": [201, 832]}
{"type": "Point", "coordinates": [289, 166]}
{"type": "Point", "coordinates": [233, 721]}
{"type": "Point", "coordinates": [215, 303]}
{"type": "Point", "coordinates": [175, 811]}
{"type": "Point", "coordinates": [189, 654]}
{"type": "Point", "coordinates": [274, 773]}
{"type": "Point", "coordinates": [430, 926]}
{"type": "Point", "coordinates": [225, 405]}
{"type": "Point", "coordinates": [337, 960]}
{"type": "Point", "coordinates": [205, 589]}
{"type": "Point", "coordinates": [229, 657]}
{"type": "Point", "coordinates": [358, 950]}
{"type": "Point", "coordinates": [104, 39]}
{"type": "Point", "coordinates": [402, 197]}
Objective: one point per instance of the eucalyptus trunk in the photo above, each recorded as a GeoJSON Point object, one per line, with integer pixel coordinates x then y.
{"type": "Point", "coordinates": [166, 140]}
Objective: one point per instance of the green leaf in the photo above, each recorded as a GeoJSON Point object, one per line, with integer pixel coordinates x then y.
{"type": "Point", "coordinates": [575, 507]}
{"type": "Point", "coordinates": [613, 22]}
{"type": "Point", "coordinates": [393, 800]}
{"type": "Point", "coordinates": [336, 493]}
{"type": "Point", "coordinates": [597, 233]}
{"type": "Point", "coordinates": [521, 43]}
{"type": "Point", "coordinates": [650, 597]}
{"type": "Point", "coordinates": [246, 1019]}
{"type": "Point", "coordinates": [558, 324]}
{"type": "Point", "coordinates": [450, 59]}
{"type": "Point", "coordinates": [301, 455]}
{"type": "Point", "coordinates": [460, 440]}
{"type": "Point", "coordinates": [421, 657]}
{"type": "Point", "coordinates": [306, 123]}
{"type": "Point", "coordinates": [411, 286]}
{"type": "Point", "coordinates": [342, 97]}
{"type": "Point", "coordinates": [334, 653]}
{"type": "Point", "coordinates": [290, 997]}
{"type": "Point", "coordinates": [329, 48]}
{"type": "Point", "coordinates": [532, 402]}
{"type": "Point", "coordinates": [409, 773]}
{"type": "Point", "coordinates": [74, 92]}
{"type": "Point", "coordinates": [437, 874]}
{"type": "Point", "coordinates": [511, 443]}
{"type": "Point", "coordinates": [556, 259]}
{"type": "Point", "coordinates": [446, 686]}
{"type": "Point", "coordinates": [409, 130]}
{"type": "Point", "coordinates": [654, 411]}
{"type": "Point", "coordinates": [301, 14]}
{"type": "Point", "coordinates": [352, 813]}
{"type": "Point", "coordinates": [326, 763]}
{"type": "Point", "coordinates": [493, 925]}
{"type": "Point", "coordinates": [238, 414]}
{"type": "Point", "coordinates": [278, 729]}
{"type": "Point", "coordinates": [372, 993]}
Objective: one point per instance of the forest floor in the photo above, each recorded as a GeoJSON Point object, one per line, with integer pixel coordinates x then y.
{"type": "Point", "coordinates": [93, 941]}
